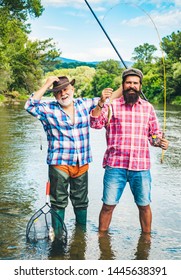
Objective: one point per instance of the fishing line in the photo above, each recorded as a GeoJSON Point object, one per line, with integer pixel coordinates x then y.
{"type": "Point", "coordinates": [41, 146]}
{"type": "Point", "coordinates": [164, 68]}
{"type": "Point", "coordinates": [110, 41]}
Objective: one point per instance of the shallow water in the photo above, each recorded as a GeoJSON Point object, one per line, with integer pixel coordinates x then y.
{"type": "Point", "coordinates": [23, 178]}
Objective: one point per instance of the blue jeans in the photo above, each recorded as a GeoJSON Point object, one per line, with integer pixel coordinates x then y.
{"type": "Point", "coordinates": [115, 180]}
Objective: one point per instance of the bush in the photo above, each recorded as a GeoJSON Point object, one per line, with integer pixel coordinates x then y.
{"type": "Point", "coordinates": [177, 101]}
{"type": "Point", "coordinates": [2, 97]}
{"type": "Point", "coordinates": [13, 94]}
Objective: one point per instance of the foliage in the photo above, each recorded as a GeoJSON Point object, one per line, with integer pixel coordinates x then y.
{"type": "Point", "coordinates": [144, 53]}
{"type": "Point", "coordinates": [153, 83]}
{"type": "Point", "coordinates": [65, 65]}
{"type": "Point", "coordinates": [22, 62]}
{"type": "Point", "coordinates": [2, 98]}
{"type": "Point", "coordinates": [110, 66]}
{"type": "Point", "coordinates": [20, 9]}
{"type": "Point", "coordinates": [172, 46]}
{"type": "Point", "coordinates": [153, 87]}
{"type": "Point", "coordinates": [83, 76]}
{"type": "Point", "coordinates": [106, 76]}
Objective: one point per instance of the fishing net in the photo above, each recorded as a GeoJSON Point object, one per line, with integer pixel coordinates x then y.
{"type": "Point", "coordinates": [46, 224]}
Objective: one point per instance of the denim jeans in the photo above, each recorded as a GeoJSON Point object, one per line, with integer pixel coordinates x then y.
{"type": "Point", "coordinates": [115, 180]}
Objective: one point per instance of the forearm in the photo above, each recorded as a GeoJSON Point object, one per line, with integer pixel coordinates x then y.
{"type": "Point", "coordinates": [96, 112]}
{"type": "Point", "coordinates": [97, 122]}
{"type": "Point", "coordinates": [106, 93]}
{"type": "Point", "coordinates": [39, 93]}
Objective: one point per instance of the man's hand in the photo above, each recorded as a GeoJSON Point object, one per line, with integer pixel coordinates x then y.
{"type": "Point", "coordinates": [106, 93]}
{"type": "Point", "coordinates": [39, 93]}
{"type": "Point", "coordinates": [164, 143]}
{"type": "Point", "coordinates": [50, 80]}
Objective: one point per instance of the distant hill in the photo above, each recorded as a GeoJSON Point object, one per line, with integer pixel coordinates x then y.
{"type": "Point", "coordinates": [67, 62]}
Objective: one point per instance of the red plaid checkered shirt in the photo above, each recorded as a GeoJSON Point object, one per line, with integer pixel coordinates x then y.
{"type": "Point", "coordinates": [128, 133]}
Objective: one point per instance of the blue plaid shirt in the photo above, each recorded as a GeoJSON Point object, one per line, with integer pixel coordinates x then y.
{"type": "Point", "coordinates": [68, 144]}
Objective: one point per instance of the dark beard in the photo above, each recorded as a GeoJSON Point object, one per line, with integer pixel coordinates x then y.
{"type": "Point", "coordinates": [131, 98]}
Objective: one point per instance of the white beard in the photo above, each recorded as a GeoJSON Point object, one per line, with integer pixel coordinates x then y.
{"type": "Point", "coordinates": [65, 102]}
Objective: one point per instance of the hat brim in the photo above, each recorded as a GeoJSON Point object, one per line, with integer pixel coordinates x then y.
{"type": "Point", "coordinates": [60, 87]}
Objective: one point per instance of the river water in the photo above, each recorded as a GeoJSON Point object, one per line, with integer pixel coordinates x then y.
{"type": "Point", "coordinates": [23, 175]}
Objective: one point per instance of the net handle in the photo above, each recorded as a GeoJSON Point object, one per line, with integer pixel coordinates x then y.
{"type": "Point", "coordinates": [47, 192]}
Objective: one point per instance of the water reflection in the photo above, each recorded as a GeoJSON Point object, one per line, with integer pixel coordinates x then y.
{"type": "Point", "coordinates": [44, 248]}
{"type": "Point", "coordinates": [142, 250]}
{"type": "Point", "coordinates": [77, 245]}
{"type": "Point", "coordinates": [57, 250]}
{"type": "Point", "coordinates": [106, 252]}
{"type": "Point", "coordinates": [76, 248]}
{"type": "Point", "coordinates": [143, 247]}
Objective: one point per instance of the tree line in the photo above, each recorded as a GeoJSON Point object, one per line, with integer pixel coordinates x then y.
{"type": "Point", "coordinates": [25, 63]}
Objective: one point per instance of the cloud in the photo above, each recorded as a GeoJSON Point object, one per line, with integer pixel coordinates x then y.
{"type": "Point", "coordinates": [73, 3]}
{"type": "Point", "coordinates": [88, 45]}
{"type": "Point", "coordinates": [76, 2]}
{"type": "Point", "coordinates": [56, 27]}
{"type": "Point", "coordinates": [61, 3]}
{"type": "Point", "coordinates": [167, 20]}
{"type": "Point", "coordinates": [168, 2]}
{"type": "Point", "coordinates": [172, 19]}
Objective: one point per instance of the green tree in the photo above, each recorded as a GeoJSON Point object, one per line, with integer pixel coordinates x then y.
{"type": "Point", "coordinates": [20, 9]}
{"type": "Point", "coordinates": [22, 62]}
{"type": "Point", "coordinates": [108, 74]}
{"type": "Point", "coordinates": [143, 54]}
{"type": "Point", "coordinates": [177, 82]}
{"type": "Point", "coordinates": [110, 66]}
{"type": "Point", "coordinates": [5, 70]}
{"type": "Point", "coordinates": [153, 85]}
{"type": "Point", "coordinates": [102, 80]}
{"type": "Point", "coordinates": [172, 46]}
{"type": "Point", "coordinates": [27, 64]}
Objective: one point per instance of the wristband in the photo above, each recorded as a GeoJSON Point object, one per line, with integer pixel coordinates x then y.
{"type": "Point", "coordinates": [99, 105]}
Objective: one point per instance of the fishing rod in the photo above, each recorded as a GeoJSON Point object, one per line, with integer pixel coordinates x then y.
{"type": "Point", "coordinates": [106, 34]}
{"type": "Point", "coordinates": [110, 41]}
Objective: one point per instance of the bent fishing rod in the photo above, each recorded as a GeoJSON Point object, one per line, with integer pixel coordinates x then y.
{"type": "Point", "coordinates": [110, 40]}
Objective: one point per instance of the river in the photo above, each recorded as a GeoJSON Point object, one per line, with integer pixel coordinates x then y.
{"type": "Point", "coordinates": [23, 175]}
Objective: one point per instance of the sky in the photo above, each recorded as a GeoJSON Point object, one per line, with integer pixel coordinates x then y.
{"type": "Point", "coordinates": [128, 24]}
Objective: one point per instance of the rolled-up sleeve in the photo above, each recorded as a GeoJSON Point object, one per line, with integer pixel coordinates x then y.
{"type": "Point", "coordinates": [154, 126]}
{"type": "Point", "coordinates": [100, 121]}
{"type": "Point", "coordinates": [36, 108]}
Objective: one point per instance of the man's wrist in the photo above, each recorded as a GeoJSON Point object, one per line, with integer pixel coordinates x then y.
{"type": "Point", "coordinates": [100, 105]}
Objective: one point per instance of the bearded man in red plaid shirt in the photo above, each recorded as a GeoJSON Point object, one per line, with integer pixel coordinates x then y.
{"type": "Point", "coordinates": [133, 124]}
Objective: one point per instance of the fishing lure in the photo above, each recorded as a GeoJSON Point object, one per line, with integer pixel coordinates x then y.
{"type": "Point", "coordinates": [155, 140]}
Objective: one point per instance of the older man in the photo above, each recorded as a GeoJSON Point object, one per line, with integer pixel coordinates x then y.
{"type": "Point", "coordinates": [66, 123]}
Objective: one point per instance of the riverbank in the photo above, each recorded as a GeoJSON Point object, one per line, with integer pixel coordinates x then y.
{"type": "Point", "coordinates": [14, 99]}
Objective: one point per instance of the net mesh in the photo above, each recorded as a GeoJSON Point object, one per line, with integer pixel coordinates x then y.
{"type": "Point", "coordinates": [46, 224]}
